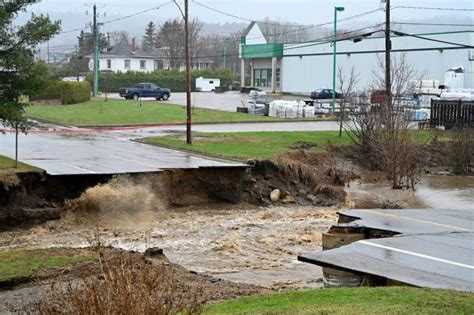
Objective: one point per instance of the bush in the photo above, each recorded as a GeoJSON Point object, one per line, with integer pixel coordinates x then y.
{"type": "Point", "coordinates": [67, 92]}
{"type": "Point", "coordinates": [110, 82]}
{"type": "Point", "coordinates": [125, 286]}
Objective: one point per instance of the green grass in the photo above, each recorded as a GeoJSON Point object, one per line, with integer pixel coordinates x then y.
{"type": "Point", "coordinates": [16, 264]}
{"type": "Point", "coordinates": [386, 300]}
{"type": "Point", "coordinates": [127, 113]}
{"type": "Point", "coordinates": [7, 166]}
{"type": "Point", "coordinates": [246, 145]}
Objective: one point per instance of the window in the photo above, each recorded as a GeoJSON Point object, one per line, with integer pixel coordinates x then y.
{"type": "Point", "coordinates": [126, 64]}
{"type": "Point", "coordinates": [159, 64]}
{"type": "Point", "coordinates": [109, 63]}
{"type": "Point", "coordinates": [142, 64]}
{"type": "Point", "coordinates": [262, 77]}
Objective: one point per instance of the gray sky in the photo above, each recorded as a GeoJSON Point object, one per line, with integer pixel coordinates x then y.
{"type": "Point", "coordinates": [301, 11]}
{"type": "Point", "coordinates": [73, 12]}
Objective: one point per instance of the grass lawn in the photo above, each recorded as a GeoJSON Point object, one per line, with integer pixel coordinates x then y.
{"type": "Point", "coordinates": [246, 145]}
{"type": "Point", "coordinates": [26, 263]}
{"type": "Point", "coordinates": [7, 166]}
{"type": "Point", "coordinates": [128, 112]}
{"type": "Point", "coordinates": [384, 300]}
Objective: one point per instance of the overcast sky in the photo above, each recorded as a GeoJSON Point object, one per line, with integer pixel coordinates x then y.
{"type": "Point", "coordinates": [302, 11]}
{"type": "Point", "coordinates": [76, 13]}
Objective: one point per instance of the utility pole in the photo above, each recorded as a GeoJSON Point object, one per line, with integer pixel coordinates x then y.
{"type": "Point", "coordinates": [334, 56]}
{"type": "Point", "coordinates": [388, 47]}
{"type": "Point", "coordinates": [189, 139]}
{"type": "Point", "coordinates": [96, 50]}
{"type": "Point", "coordinates": [78, 64]}
{"type": "Point", "coordinates": [225, 52]}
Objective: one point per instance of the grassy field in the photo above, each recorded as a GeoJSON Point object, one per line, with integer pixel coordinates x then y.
{"type": "Point", "coordinates": [127, 112]}
{"type": "Point", "coordinates": [246, 145]}
{"type": "Point", "coordinates": [16, 264]}
{"type": "Point", "coordinates": [7, 166]}
{"type": "Point", "coordinates": [387, 300]}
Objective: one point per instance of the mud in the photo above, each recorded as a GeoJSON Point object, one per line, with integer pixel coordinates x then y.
{"type": "Point", "coordinates": [244, 243]}
{"type": "Point", "coordinates": [123, 193]}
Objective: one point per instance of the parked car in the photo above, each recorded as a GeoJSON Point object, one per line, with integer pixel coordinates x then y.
{"type": "Point", "coordinates": [324, 94]}
{"type": "Point", "coordinates": [145, 90]}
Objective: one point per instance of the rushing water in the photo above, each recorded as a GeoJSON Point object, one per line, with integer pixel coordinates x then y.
{"type": "Point", "coordinates": [236, 242]}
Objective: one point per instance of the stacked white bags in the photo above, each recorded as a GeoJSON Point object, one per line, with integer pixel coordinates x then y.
{"type": "Point", "coordinates": [290, 109]}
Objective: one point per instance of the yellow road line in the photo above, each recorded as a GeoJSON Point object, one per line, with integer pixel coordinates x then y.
{"type": "Point", "coordinates": [134, 161]}
{"type": "Point", "coordinates": [418, 220]}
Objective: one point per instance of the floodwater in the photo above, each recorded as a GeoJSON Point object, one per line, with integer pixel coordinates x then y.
{"type": "Point", "coordinates": [243, 243]}
{"type": "Point", "coordinates": [239, 243]}
{"type": "Point", "coordinates": [433, 191]}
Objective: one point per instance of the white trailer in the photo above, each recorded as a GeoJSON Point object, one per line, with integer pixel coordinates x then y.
{"type": "Point", "coordinates": [207, 84]}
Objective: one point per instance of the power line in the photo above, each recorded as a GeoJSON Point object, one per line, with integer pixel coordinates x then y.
{"type": "Point", "coordinates": [432, 39]}
{"type": "Point", "coordinates": [119, 19]}
{"type": "Point", "coordinates": [138, 13]}
{"type": "Point", "coordinates": [432, 24]}
{"type": "Point", "coordinates": [279, 24]}
{"type": "Point", "coordinates": [432, 8]}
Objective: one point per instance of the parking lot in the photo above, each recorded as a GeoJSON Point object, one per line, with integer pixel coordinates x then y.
{"type": "Point", "coordinates": [227, 101]}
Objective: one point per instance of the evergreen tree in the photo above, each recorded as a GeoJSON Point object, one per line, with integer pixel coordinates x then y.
{"type": "Point", "coordinates": [19, 74]}
{"type": "Point", "coordinates": [149, 38]}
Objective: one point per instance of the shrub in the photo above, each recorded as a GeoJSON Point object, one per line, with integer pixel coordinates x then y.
{"type": "Point", "coordinates": [462, 152]}
{"type": "Point", "coordinates": [125, 286]}
{"type": "Point", "coordinates": [67, 92]}
{"type": "Point", "coordinates": [110, 82]}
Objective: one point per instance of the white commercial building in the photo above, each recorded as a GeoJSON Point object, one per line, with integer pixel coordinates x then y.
{"type": "Point", "coordinates": [304, 67]}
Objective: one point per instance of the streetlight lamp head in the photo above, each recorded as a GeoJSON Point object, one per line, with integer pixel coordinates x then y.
{"type": "Point", "coordinates": [339, 9]}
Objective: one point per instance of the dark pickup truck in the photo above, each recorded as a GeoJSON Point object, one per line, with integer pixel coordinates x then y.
{"type": "Point", "coordinates": [145, 90]}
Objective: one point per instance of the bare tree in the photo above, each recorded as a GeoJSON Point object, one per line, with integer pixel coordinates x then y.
{"type": "Point", "coordinates": [171, 39]}
{"type": "Point", "coordinates": [118, 37]}
{"type": "Point", "coordinates": [382, 132]}
{"type": "Point", "coordinates": [347, 85]}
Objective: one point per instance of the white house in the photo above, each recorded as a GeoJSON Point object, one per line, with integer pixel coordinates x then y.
{"type": "Point", "coordinates": [124, 57]}
{"type": "Point", "coordinates": [304, 67]}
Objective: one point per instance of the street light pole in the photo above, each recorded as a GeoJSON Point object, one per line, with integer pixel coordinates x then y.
{"type": "Point", "coordinates": [336, 9]}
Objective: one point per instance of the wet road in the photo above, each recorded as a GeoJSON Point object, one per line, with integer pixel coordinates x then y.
{"type": "Point", "coordinates": [71, 154]}
{"type": "Point", "coordinates": [62, 150]}
{"type": "Point", "coordinates": [434, 250]}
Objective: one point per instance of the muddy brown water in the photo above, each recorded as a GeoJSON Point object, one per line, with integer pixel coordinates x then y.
{"type": "Point", "coordinates": [243, 243]}
{"type": "Point", "coordinates": [433, 191]}
{"type": "Point", "coordinates": [240, 243]}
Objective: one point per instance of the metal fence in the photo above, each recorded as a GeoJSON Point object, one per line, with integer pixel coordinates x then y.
{"type": "Point", "coordinates": [452, 114]}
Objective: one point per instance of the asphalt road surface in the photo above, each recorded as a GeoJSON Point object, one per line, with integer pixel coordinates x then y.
{"type": "Point", "coordinates": [62, 150]}
{"type": "Point", "coordinates": [434, 250]}
{"type": "Point", "coordinates": [70, 154]}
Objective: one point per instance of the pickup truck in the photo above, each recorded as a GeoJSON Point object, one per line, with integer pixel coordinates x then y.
{"type": "Point", "coordinates": [145, 90]}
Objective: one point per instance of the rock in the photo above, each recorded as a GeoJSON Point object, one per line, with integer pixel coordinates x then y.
{"type": "Point", "coordinates": [154, 251]}
{"type": "Point", "coordinates": [289, 199]}
{"type": "Point", "coordinates": [251, 180]}
{"type": "Point", "coordinates": [275, 195]}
